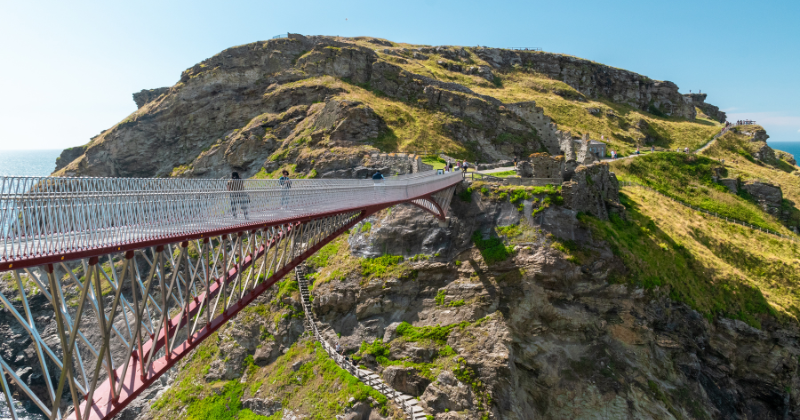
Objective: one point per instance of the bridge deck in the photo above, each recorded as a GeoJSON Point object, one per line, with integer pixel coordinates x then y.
{"type": "Point", "coordinates": [136, 273]}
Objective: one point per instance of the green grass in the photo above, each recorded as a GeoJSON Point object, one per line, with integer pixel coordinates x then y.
{"type": "Point", "coordinates": [504, 174]}
{"type": "Point", "coordinates": [717, 268]}
{"type": "Point", "coordinates": [322, 257]}
{"type": "Point", "coordinates": [493, 250]}
{"type": "Point", "coordinates": [466, 195]}
{"type": "Point", "coordinates": [379, 266]}
{"type": "Point", "coordinates": [435, 161]}
{"type": "Point", "coordinates": [318, 388]}
{"type": "Point", "coordinates": [688, 178]}
{"type": "Point", "coordinates": [366, 227]}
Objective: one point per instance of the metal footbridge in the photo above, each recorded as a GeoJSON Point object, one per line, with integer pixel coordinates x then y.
{"type": "Point", "coordinates": [112, 281]}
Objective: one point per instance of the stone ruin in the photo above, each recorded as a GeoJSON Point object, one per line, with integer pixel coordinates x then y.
{"type": "Point", "coordinates": [541, 165]}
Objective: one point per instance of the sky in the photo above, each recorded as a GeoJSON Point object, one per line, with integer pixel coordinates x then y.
{"type": "Point", "coordinates": [69, 68]}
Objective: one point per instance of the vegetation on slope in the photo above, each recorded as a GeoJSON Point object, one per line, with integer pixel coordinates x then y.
{"type": "Point", "coordinates": [716, 267]}
{"type": "Point", "coordinates": [738, 150]}
{"type": "Point", "coordinates": [622, 126]}
{"type": "Point", "coordinates": [318, 387]}
{"type": "Point", "coordinates": [689, 178]}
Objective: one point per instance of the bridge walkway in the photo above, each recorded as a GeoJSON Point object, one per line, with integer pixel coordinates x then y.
{"type": "Point", "coordinates": [133, 274]}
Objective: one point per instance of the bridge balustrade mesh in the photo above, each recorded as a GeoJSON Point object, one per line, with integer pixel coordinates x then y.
{"type": "Point", "coordinates": [42, 216]}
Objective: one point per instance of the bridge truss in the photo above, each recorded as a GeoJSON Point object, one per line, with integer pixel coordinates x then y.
{"type": "Point", "coordinates": [136, 273]}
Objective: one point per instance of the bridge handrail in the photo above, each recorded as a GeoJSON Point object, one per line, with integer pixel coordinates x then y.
{"type": "Point", "coordinates": [49, 216]}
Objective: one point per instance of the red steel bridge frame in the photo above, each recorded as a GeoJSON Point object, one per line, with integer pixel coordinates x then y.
{"type": "Point", "coordinates": [169, 294]}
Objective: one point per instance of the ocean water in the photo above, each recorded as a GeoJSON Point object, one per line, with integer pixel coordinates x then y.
{"type": "Point", "coordinates": [792, 147]}
{"type": "Point", "coordinates": [28, 162]}
{"type": "Point", "coordinates": [25, 163]}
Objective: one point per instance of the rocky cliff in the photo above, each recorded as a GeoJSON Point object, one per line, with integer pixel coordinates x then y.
{"type": "Point", "coordinates": [305, 100]}
{"type": "Point", "coordinates": [597, 80]}
{"type": "Point", "coordinates": [290, 98]}
{"type": "Point", "coordinates": [526, 331]}
{"type": "Point", "coordinates": [699, 100]}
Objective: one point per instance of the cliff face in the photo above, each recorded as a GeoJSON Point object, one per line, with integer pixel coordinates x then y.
{"type": "Point", "coordinates": [548, 336]}
{"type": "Point", "coordinates": [303, 100]}
{"type": "Point", "coordinates": [699, 100]}
{"type": "Point", "coordinates": [536, 334]}
{"type": "Point", "coordinates": [597, 80]}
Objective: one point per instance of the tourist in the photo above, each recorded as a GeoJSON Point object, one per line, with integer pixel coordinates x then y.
{"type": "Point", "coordinates": [238, 199]}
{"type": "Point", "coordinates": [685, 150]}
{"type": "Point", "coordinates": [637, 150]}
{"type": "Point", "coordinates": [515, 161]}
{"type": "Point", "coordinates": [652, 149]}
{"type": "Point", "coordinates": [377, 181]}
{"type": "Point", "coordinates": [285, 183]}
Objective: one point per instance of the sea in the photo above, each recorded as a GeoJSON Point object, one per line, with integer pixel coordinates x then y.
{"type": "Point", "coordinates": [28, 162]}
{"type": "Point", "coordinates": [792, 147]}
{"type": "Point", "coordinates": [25, 163]}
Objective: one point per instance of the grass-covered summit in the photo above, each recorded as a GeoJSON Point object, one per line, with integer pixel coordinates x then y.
{"type": "Point", "coordinates": [320, 104]}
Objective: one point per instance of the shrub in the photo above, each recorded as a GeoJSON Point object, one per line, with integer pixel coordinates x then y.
{"type": "Point", "coordinates": [466, 195]}
{"type": "Point", "coordinates": [493, 250]}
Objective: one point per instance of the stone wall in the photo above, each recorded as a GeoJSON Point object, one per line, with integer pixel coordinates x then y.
{"type": "Point", "coordinates": [596, 80]}
{"type": "Point", "coordinates": [541, 165]}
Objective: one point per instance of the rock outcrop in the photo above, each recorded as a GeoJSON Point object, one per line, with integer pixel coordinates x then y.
{"type": "Point", "coordinates": [768, 196]}
{"type": "Point", "coordinates": [148, 95]}
{"type": "Point", "coordinates": [596, 80]}
{"type": "Point", "coordinates": [405, 380]}
{"type": "Point", "coordinates": [699, 100]}
{"type": "Point", "coordinates": [541, 165]}
{"type": "Point", "coordinates": [68, 155]}
{"type": "Point", "coordinates": [593, 189]}
{"type": "Point", "coordinates": [280, 100]}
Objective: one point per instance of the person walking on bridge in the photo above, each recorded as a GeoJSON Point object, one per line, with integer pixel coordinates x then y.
{"type": "Point", "coordinates": [285, 183]}
{"type": "Point", "coordinates": [239, 199]}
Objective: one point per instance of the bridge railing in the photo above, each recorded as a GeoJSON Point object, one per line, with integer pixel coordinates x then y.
{"type": "Point", "coordinates": [50, 217]}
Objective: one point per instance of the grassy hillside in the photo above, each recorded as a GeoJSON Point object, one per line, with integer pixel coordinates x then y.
{"type": "Point", "coordinates": [718, 268]}
{"type": "Point", "coordinates": [738, 150]}
{"type": "Point", "coordinates": [688, 178]}
{"type": "Point", "coordinates": [625, 126]}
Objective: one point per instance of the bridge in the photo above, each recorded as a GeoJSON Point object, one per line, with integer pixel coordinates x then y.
{"type": "Point", "coordinates": [136, 273]}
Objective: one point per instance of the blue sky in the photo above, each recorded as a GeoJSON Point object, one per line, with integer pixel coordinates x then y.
{"type": "Point", "coordinates": [69, 68]}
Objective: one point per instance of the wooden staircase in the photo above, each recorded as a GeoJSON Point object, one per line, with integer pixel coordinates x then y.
{"type": "Point", "coordinates": [409, 404]}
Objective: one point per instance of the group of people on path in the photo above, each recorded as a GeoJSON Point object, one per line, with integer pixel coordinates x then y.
{"type": "Point", "coordinates": [240, 200]}
{"type": "Point", "coordinates": [449, 166]}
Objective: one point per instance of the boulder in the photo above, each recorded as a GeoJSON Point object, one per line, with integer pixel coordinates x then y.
{"type": "Point", "coordinates": [405, 380]}
{"type": "Point", "coordinates": [447, 393]}
{"type": "Point", "coordinates": [262, 407]}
